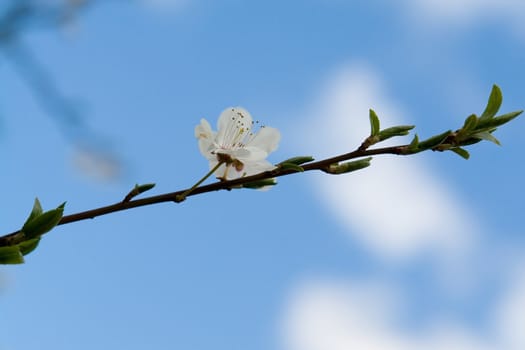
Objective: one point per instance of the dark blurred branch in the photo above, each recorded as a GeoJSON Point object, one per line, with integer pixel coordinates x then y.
{"type": "Point", "coordinates": [20, 16]}
{"type": "Point", "coordinates": [44, 89]}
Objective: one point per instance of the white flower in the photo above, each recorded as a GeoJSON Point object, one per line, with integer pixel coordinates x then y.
{"type": "Point", "coordinates": [242, 151]}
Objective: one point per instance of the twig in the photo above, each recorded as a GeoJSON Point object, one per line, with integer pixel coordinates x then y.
{"type": "Point", "coordinates": [17, 236]}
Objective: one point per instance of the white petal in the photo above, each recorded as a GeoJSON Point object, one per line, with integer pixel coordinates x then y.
{"type": "Point", "coordinates": [220, 171]}
{"type": "Point", "coordinates": [257, 167]}
{"type": "Point", "coordinates": [203, 130]}
{"type": "Point", "coordinates": [239, 153]}
{"type": "Point", "coordinates": [205, 136]}
{"type": "Point", "coordinates": [227, 172]}
{"type": "Point", "coordinates": [230, 121]}
{"type": "Point", "coordinates": [267, 139]}
{"type": "Point", "coordinates": [252, 168]}
{"type": "Point", "coordinates": [250, 154]}
{"type": "Point", "coordinates": [231, 113]}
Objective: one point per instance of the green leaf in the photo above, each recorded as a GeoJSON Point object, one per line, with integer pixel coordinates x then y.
{"type": "Point", "coordinates": [36, 211]}
{"type": "Point", "coordinates": [11, 255]}
{"type": "Point", "coordinates": [138, 189]}
{"type": "Point", "coordinates": [486, 136]}
{"type": "Point", "coordinates": [286, 166]}
{"type": "Point", "coordinates": [43, 223]}
{"type": "Point", "coordinates": [414, 144]}
{"type": "Point", "coordinates": [297, 160]}
{"type": "Point", "coordinates": [337, 169]}
{"type": "Point", "coordinates": [461, 152]}
{"type": "Point", "coordinates": [143, 188]}
{"type": "Point", "coordinates": [28, 246]}
{"type": "Point", "coordinates": [470, 141]}
{"type": "Point", "coordinates": [261, 184]}
{"type": "Point", "coordinates": [494, 103]}
{"type": "Point", "coordinates": [434, 141]}
{"type": "Point", "coordinates": [400, 130]}
{"type": "Point", "coordinates": [470, 123]}
{"type": "Point", "coordinates": [497, 121]}
{"type": "Point", "coordinates": [374, 123]}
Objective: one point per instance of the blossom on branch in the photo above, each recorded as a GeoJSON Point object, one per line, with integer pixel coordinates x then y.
{"type": "Point", "coordinates": [241, 151]}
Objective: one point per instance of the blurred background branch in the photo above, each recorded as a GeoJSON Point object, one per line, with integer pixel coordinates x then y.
{"type": "Point", "coordinates": [20, 16]}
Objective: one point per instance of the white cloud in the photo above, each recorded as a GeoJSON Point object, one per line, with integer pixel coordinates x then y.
{"type": "Point", "coordinates": [510, 316]}
{"type": "Point", "coordinates": [340, 316]}
{"type": "Point", "coordinates": [452, 10]}
{"type": "Point", "coordinates": [368, 315]}
{"type": "Point", "coordinates": [442, 13]}
{"type": "Point", "coordinates": [398, 207]}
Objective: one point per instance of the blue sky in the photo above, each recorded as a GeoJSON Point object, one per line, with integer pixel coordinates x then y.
{"type": "Point", "coordinates": [424, 252]}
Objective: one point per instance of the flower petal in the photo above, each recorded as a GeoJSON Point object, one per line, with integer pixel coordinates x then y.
{"type": "Point", "coordinates": [230, 123]}
{"type": "Point", "coordinates": [267, 139]}
{"type": "Point", "coordinates": [246, 151]}
{"type": "Point", "coordinates": [205, 136]}
{"type": "Point", "coordinates": [250, 154]}
{"type": "Point", "coordinates": [220, 171]}
{"type": "Point", "coordinates": [225, 172]}
{"type": "Point", "coordinates": [257, 167]}
{"type": "Point", "coordinates": [232, 113]}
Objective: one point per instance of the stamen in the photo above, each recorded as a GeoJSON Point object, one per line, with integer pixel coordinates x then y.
{"type": "Point", "coordinates": [239, 132]}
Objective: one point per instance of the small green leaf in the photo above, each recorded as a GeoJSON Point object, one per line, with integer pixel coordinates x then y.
{"type": "Point", "coordinates": [494, 103]}
{"type": "Point", "coordinates": [461, 152]}
{"type": "Point", "coordinates": [36, 211]}
{"type": "Point", "coordinates": [138, 189]}
{"type": "Point", "coordinates": [292, 166]}
{"type": "Point", "coordinates": [400, 130]}
{"type": "Point", "coordinates": [11, 255]}
{"type": "Point", "coordinates": [28, 246]}
{"type": "Point", "coordinates": [497, 121]}
{"type": "Point", "coordinates": [297, 160]}
{"type": "Point", "coordinates": [486, 136]}
{"type": "Point", "coordinates": [414, 144]}
{"type": "Point", "coordinates": [260, 185]}
{"type": "Point", "coordinates": [433, 141]}
{"type": "Point", "coordinates": [374, 123]}
{"type": "Point", "coordinates": [470, 141]}
{"type": "Point", "coordinates": [43, 223]}
{"type": "Point", "coordinates": [470, 123]}
{"type": "Point", "coordinates": [143, 188]}
{"type": "Point", "coordinates": [337, 169]}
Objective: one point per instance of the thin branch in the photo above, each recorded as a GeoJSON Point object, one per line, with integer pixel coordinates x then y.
{"type": "Point", "coordinates": [473, 131]}
{"type": "Point", "coordinates": [17, 236]}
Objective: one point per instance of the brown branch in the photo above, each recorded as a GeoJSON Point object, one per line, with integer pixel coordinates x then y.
{"type": "Point", "coordinates": [18, 236]}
